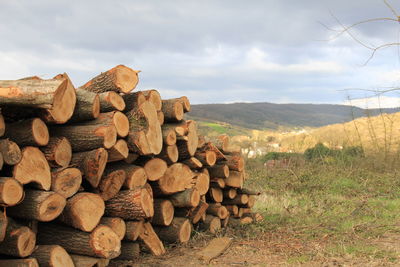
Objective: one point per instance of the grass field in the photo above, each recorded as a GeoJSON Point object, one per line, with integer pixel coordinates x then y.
{"type": "Point", "coordinates": [333, 208]}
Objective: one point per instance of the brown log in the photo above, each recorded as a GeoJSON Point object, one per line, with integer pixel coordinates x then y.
{"type": "Point", "coordinates": [30, 132]}
{"type": "Point", "coordinates": [119, 79]}
{"type": "Point", "coordinates": [177, 178]}
{"type": "Point", "coordinates": [221, 142]}
{"type": "Point", "coordinates": [187, 145]}
{"type": "Point", "coordinates": [133, 230]}
{"type": "Point", "coordinates": [201, 142]}
{"type": "Point", "coordinates": [154, 97]}
{"type": "Point", "coordinates": [58, 152]}
{"type": "Point", "coordinates": [169, 154]}
{"type": "Point", "coordinates": [207, 158]}
{"type": "Point", "coordinates": [87, 106]}
{"type": "Point", "coordinates": [110, 101]}
{"type": "Point", "coordinates": [102, 242]}
{"type": "Point", "coordinates": [149, 189]}
{"type": "Point", "coordinates": [160, 117]}
{"type": "Point", "coordinates": [230, 193]}
{"type": "Point", "coordinates": [66, 181]}
{"type": "Point", "coordinates": [235, 179]}
{"type": "Point", "coordinates": [150, 238]}
{"type": "Point", "coordinates": [173, 110]}
{"type": "Point", "coordinates": [233, 209]}
{"type": "Point", "coordinates": [131, 205]}
{"type": "Point", "coordinates": [256, 217]}
{"type": "Point", "coordinates": [163, 212]}
{"type": "Point", "coordinates": [119, 151]}
{"type": "Point", "coordinates": [219, 171]}
{"type": "Point", "coordinates": [52, 256]}
{"type": "Point", "coordinates": [211, 224]}
{"type": "Point", "coordinates": [110, 183]}
{"type": "Point", "coordinates": [155, 168]}
{"type": "Point", "coordinates": [251, 201]}
{"type": "Point", "coordinates": [19, 240]}
{"type": "Point", "coordinates": [2, 125]}
{"type": "Point", "coordinates": [38, 205]}
{"type": "Point", "coordinates": [235, 222]}
{"type": "Point", "coordinates": [208, 146]}
{"type": "Point", "coordinates": [215, 247]}
{"type": "Point", "coordinates": [83, 211]}
{"type": "Point", "coordinates": [177, 232]}
{"type": "Point", "coordinates": [133, 100]}
{"type": "Point", "coordinates": [216, 209]}
{"type": "Point", "coordinates": [145, 135]}
{"type": "Point", "coordinates": [240, 199]}
{"type": "Point", "coordinates": [114, 118]}
{"type": "Point", "coordinates": [86, 137]}
{"type": "Point", "coordinates": [225, 222]}
{"type": "Point", "coordinates": [131, 157]}
{"type": "Point", "coordinates": [189, 198]}
{"type": "Point", "coordinates": [235, 162]}
{"type": "Point", "coordinates": [217, 182]}
{"type": "Point", "coordinates": [202, 183]}
{"type": "Point", "coordinates": [185, 103]}
{"type": "Point", "coordinates": [85, 261]}
{"type": "Point", "coordinates": [33, 168]}
{"type": "Point", "coordinates": [197, 213]}
{"type": "Point", "coordinates": [56, 96]}
{"type": "Point", "coordinates": [135, 175]}
{"type": "Point", "coordinates": [3, 225]}
{"type": "Point", "coordinates": [11, 191]}
{"type": "Point", "coordinates": [193, 163]}
{"type": "Point", "coordinates": [129, 251]}
{"type": "Point", "coordinates": [215, 194]}
{"type": "Point", "coordinates": [169, 135]}
{"type": "Point", "coordinates": [91, 164]}
{"type": "Point", "coordinates": [10, 151]}
{"type": "Point", "coordinates": [28, 262]}
{"type": "Point", "coordinates": [116, 224]}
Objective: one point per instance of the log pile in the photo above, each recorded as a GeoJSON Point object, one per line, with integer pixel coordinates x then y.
{"type": "Point", "coordinates": [95, 175]}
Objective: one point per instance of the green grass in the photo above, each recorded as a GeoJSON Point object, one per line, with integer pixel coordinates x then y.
{"type": "Point", "coordinates": [344, 205]}
{"type": "Point", "coordinates": [209, 128]}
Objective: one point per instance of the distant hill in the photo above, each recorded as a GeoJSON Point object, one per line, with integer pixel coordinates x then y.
{"type": "Point", "coordinates": [272, 116]}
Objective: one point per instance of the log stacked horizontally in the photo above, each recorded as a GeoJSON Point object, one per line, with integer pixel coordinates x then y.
{"type": "Point", "coordinates": [97, 174]}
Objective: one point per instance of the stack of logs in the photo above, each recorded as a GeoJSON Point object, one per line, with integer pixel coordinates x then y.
{"type": "Point", "coordinates": [94, 175]}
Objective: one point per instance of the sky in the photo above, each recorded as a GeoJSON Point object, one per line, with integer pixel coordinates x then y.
{"type": "Point", "coordinates": [213, 51]}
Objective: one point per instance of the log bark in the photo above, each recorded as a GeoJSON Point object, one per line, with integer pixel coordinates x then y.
{"type": "Point", "coordinates": [55, 96]}
{"type": "Point", "coordinates": [11, 191]}
{"type": "Point", "coordinates": [133, 230]}
{"type": "Point", "coordinates": [173, 110]}
{"type": "Point", "coordinates": [19, 240]}
{"type": "Point", "coordinates": [119, 79]}
{"type": "Point", "coordinates": [133, 100]}
{"type": "Point", "coordinates": [135, 175]}
{"type": "Point", "coordinates": [91, 164]}
{"type": "Point", "coordinates": [58, 152]}
{"type": "Point", "coordinates": [145, 135]}
{"type": "Point", "coordinates": [10, 151]}
{"type": "Point", "coordinates": [240, 199]}
{"type": "Point", "coordinates": [86, 137]}
{"type": "Point", "coordinates": [160, 117]}
{"type": "Point", "coordinates": [221, 142]}
{"type": "Point", "coordinates": [131, 205]}
{"type": "Point", "coordinates": [169, 154]}
{"type": "Point", "coordinates": [177, 178]}
{"type": "Point", "coordinates": [30, 132]}
{"type": "Point", "coordinates": [202, 183]}
{"type": "Point", "coordinates": [207, 158]}
{"type": "Point", "coordinates": [110, 101]}
{"type": "Point", "coordinates": [163, 212]}
{"type": "Point", "coordinates": [177, 232]}
{"type": "Point", "coordinates": [186, 199]}
{"type": "Point", "coordinates": [233, 209]}
{"type": "Point", "coordinates": [110, 183]}
{"type": "Point", "coordinates": [194, 214]}
{"type": "Point", "coordinates": [219, 171]}
{"type": "Point", "coordinates": [119, 151]}
{"type": "Point", "coordinates": [83, 211]}
{"type": "Point", "coordinates": [208, 146]}
{"type": "Point", "coordinates": [102, 242]}
{"type": "Point", "coordinates": [235, 222]}
{"type": "Point", "coordinates": [84, 261]}
{"type": "Point", "coordinates": [155, 168]}
{"type": "Point", "coordinates": [87, 106]}
{"type": "Point", "coordinates": [235, 162]}
{"type": "Point", "coordinates": [3, 225]}
{"type": "Point", "coordinates": [211, 224]}
{"type": "Point", "coordinates": [2, 125]}
{"type": "Point", "coordinates": [52, 256]}
{"type": "Point", "coordinates": [215, 194]}
{"type": "Point", "coordinates": [154, 97]}
{"type": "Point", "coordinates": [130, 251]}
{"type": "Point", "coordinates": [131, 157]}
{"type": "Point", "coordinates": [217, 182]}
{"type": "Point", "coordinates": [169, 136]}
{"type": "Point", "coordinates": [230, 193]}
{"type": "Point", "coordinates": [216, 209]}
{"type": "Point", "coordinates": [66, 181]}
{"type": "Point", "coordinates": [112, 118]}
{"type": "Point", "coordinates": [28, 262]}
{"type": "Point", "coordinates": [235, 179]}
{"type": "Point", "coordinates": [150, 238]}
{"type": "Point", "coordinates": [185, 103]}
{"type": "Point", "coordinates": [116, 224]}
{"type": "Point", "coordinates": [225, 222]}
{"type": "Point", "coordinates": [38, 205]}
{"type": "Point", "coordinates": [193, 163]}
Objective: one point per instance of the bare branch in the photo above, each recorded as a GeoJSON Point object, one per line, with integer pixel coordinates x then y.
{"type": "Point", "coordinates": [391, 8]}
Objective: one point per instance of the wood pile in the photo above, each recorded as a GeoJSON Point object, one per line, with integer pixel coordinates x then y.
{"type": "Point", "coordinates": [95, 175]}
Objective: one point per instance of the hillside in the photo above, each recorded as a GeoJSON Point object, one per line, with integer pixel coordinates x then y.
{"type": "Point", "coordinates": [274, 116]}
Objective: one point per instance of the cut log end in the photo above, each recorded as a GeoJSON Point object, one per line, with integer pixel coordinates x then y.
{"type": "Point", "coordinates": [96, 106]}
{"type": "Point", "coordinates": [121, 124]}
{"type": "Point", "coordinates": [63, 153]}
{"type": "Point", "coordinates": [63, 104]}
{"type": "Point", "coordinates": [66, 182]}
{"type": "Point", "coordinates": [10, 151]}
{"type": "Point", "coordinates": [51, 207]}
{"type": "Point", "coordinates": [26, 241]}
{"type": "Point", "coordinates": [126, 79]}
{"type": "Point", "coordinates": [105, 242]}
{"type": "Point", "coordinates": [40, 132]}
{"type": "Point", "coordinates": [52, 255]}
{"type": "Point", "coordinates": [155, 168]}
{"type": "Point", "coordinates": [11, 191]}
{"type": "Point", "coordinates": [163, 212]}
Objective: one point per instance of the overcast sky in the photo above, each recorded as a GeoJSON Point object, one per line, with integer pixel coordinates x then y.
{"type": "Point", "coordinates": [214, 51]}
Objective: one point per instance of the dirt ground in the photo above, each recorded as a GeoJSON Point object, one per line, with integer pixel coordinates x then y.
{"type": "Point", "coordinates": [270, 250]}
